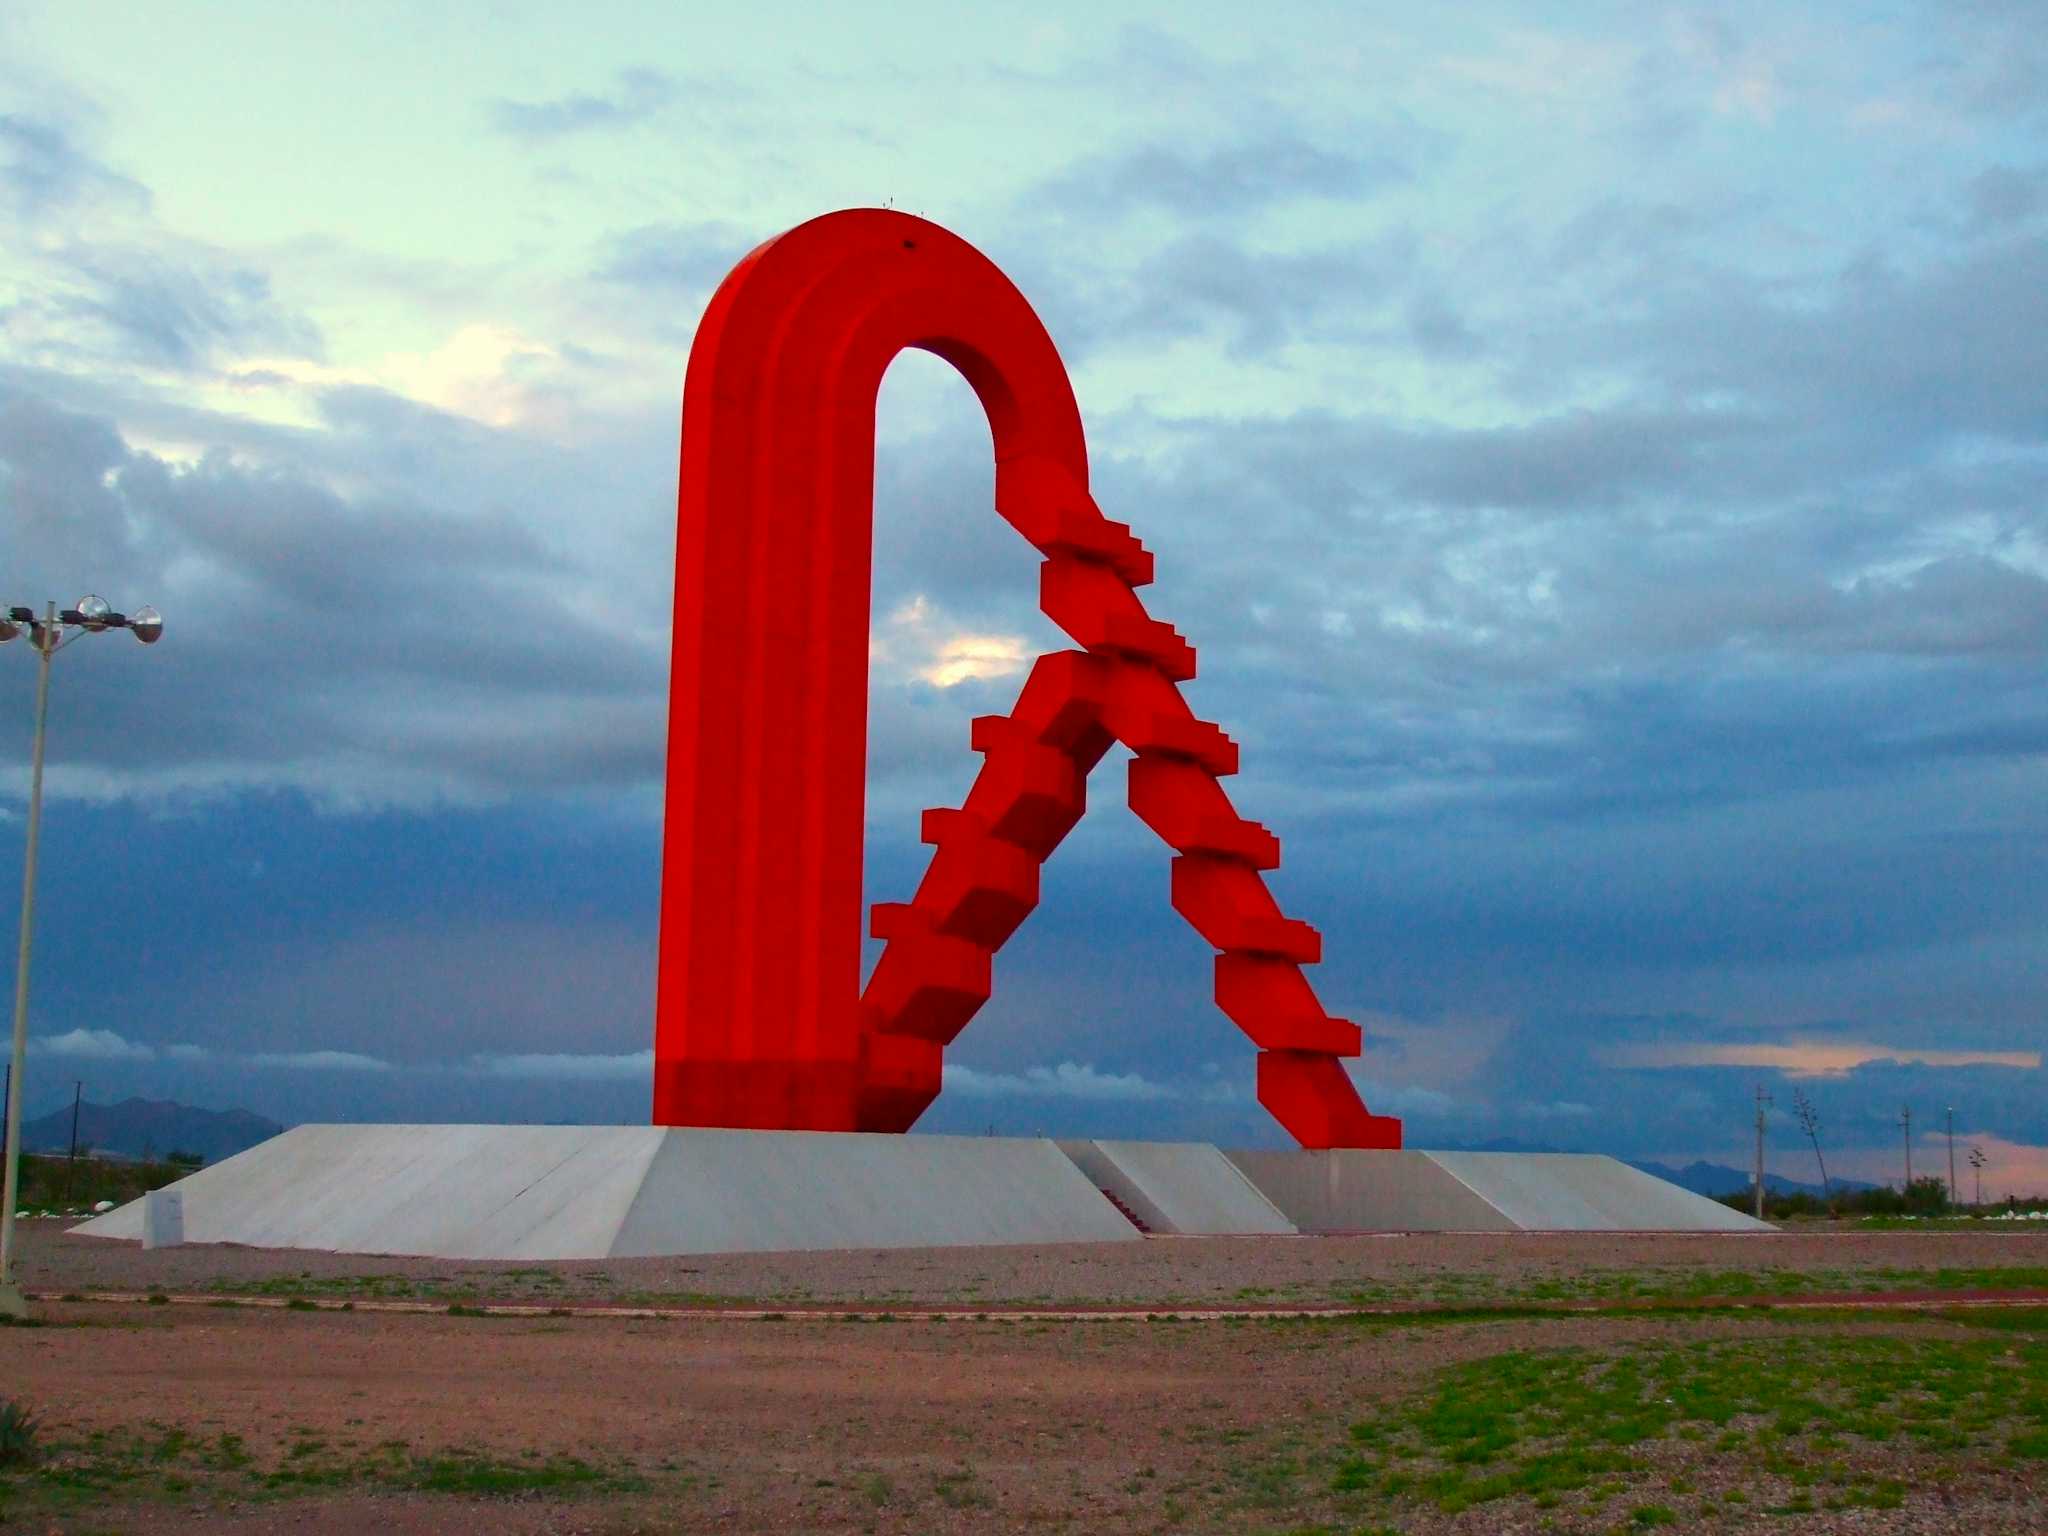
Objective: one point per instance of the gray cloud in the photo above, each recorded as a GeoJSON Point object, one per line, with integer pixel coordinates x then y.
{"type": "Point", "coordinates": [681, 259]}
{"type": "Point", "coordinates": [42, 171]}
{"type": "Point", "coordinates": [637, 95]}
{"type": "Point", "coordinates": [1228, 181]}
{"type": "Point", "coordinates": [103, 284]}
{"type": "Point", "coordinates": [2003, 196]}
{"type": "Point", "coordinates": [1252, 301]}
{"type": "Point", "coordinates": [162, 312]}
{"type": "Point", "coordinates": [311, 634]}
{"type": "Point", "coordinates": [1991, 61]}
{"type": "Point", "coordinates": [433, 632]}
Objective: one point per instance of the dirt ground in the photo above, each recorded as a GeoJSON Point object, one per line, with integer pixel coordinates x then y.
{"type": "Point", "coordinates": [810, 1424]}
{"type": "Point", "coordinates": [1159, 1271]}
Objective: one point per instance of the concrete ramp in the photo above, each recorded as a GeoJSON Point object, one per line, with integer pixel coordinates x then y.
{"type": "Point", "coordinates": [445, 1191]}
{"type": "Point", "coordinates": [592, 1192]}
{"type": "Point", "coordinates": [761, 1191]}
{"type": "Point", "coordinates": [1184, 1187]}
{"type": "Point", "coordinates": [1570, 1192]}
{"type": "Point", "coordinates": [1359, 1191]}
{"type": "Point", "coordinates": [1350, 1191]}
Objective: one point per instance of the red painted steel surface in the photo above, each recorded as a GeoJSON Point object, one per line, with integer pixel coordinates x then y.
{"type": "Point", "coordinates": [760, 1019]}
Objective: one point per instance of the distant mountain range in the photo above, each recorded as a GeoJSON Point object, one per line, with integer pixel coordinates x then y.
{"type": "Point", "coordinates": [1702, 1178]}
{"type": "Point", "coordinates": [150, 1128]}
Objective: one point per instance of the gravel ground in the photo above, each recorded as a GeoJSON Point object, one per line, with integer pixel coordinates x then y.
{"type": "Point", "coordinates": [940, 1426]}
{"type": "Point", "coordinates": [821, 1426]}
{"type": "Point", "coordinates": [1157, 1271]}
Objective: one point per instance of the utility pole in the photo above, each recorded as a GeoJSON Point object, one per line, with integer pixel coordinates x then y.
{"type": "Point", "coordinates": [1906, 1120]}
{"type": "Point", "coordinates": [1809, 1121]}
{"type": "Point", "coordinates": [1763, 1099]}
{"type": "Point", "coordinates": [1952, 1155]}
{"type": "Point", "coordinates": [71, 1162]}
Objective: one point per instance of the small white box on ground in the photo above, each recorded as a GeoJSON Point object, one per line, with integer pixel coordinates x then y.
{"type": "Point", "coordinates": [163, 1219]}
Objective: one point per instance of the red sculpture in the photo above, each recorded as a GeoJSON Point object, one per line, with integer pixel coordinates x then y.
{"type": "Point", "coordinates": [760, 1020]}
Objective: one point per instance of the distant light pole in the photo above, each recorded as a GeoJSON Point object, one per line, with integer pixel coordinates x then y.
{"type": "Point", "coordinates": [46, 637]}
{"type": "Point", "coordinates": [1906, 1121]}
{"type": "Point", "coordinates": [1952, 1200]}
{"type": "Point", "coordinates": [1977, 1162]}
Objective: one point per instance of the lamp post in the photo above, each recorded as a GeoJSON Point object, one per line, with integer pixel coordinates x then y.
{"type": "Point", "coordinates": [46, 637]}
{"type": "Point", "coordinates": [1906, 1123]}
{"type": "Point", "coordinates": [1953, 1197]}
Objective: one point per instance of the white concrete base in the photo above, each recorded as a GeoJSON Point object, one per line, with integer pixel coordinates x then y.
{"type": "Point", "coordinates": [593, 1192]}
{"type": "Point", "coordinates": [1356, 1191]}
{"type": "Point", "coordinates": [1181, 1187]}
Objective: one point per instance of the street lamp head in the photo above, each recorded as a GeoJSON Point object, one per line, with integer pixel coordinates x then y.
{"type": "Point", "coordinates": [148, 625]}
{"type": "Point", "coordinates": [9, 627]}
{"type": "Point", "coordinates": [92, 613]}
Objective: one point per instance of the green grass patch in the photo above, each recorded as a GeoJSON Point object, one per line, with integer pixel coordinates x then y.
{"type": "Point", "coordinates": [2004, 1319]}
{"type": "Point", "coordinates": [962, 1489]}
{"type": "Point", "coordinates": [18, 1431]}
{"type": "Point", "coordinates": [306, 1285]}
{"type": "Point", "coordinates": [479, 1476]}
{"type": "Point", "coordinates": [165, 1463]}
{"type": "Point", "coordinates": [1834, 1419]}
{"type": "Point", "coordinates": [1676, 1283]}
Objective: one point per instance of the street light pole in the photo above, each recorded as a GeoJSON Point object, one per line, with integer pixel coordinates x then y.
{"type": "Point", "coordinates": [43, 637]}
{"type": "Point", "coordinates": [1952, 1198]}
{"type": "Point", "coordinates": [46, 636]}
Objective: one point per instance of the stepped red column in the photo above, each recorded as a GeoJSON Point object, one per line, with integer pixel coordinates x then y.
{"type": "Point", "coordinates": [760, 1020]}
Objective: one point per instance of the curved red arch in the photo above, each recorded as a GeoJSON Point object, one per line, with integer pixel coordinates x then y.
{"type": "Point", "coordinates": [759, 1017]}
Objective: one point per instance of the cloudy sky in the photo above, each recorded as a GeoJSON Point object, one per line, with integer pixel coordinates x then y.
{"type": "Point", "coordinates": [1601, 453]}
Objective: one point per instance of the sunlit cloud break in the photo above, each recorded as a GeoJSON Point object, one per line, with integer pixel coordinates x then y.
{"type": "Point", "coordinates": [627, 1066]}
{"type": "Point", "coordinates": [917, 638]}
{"type": "Point", "coordinates": [1834, 1058]}
{"type": "Point", "coordinates": [108, 1045]}
{"type": "Point", "coordinates": [1068, 1080]}
{"type": "Point", "coordinates": [967, 657]}
{"type": "Point", "coordinates": [92, 1045]}
{"type": "Point", "coordinates": [320, 1061]}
